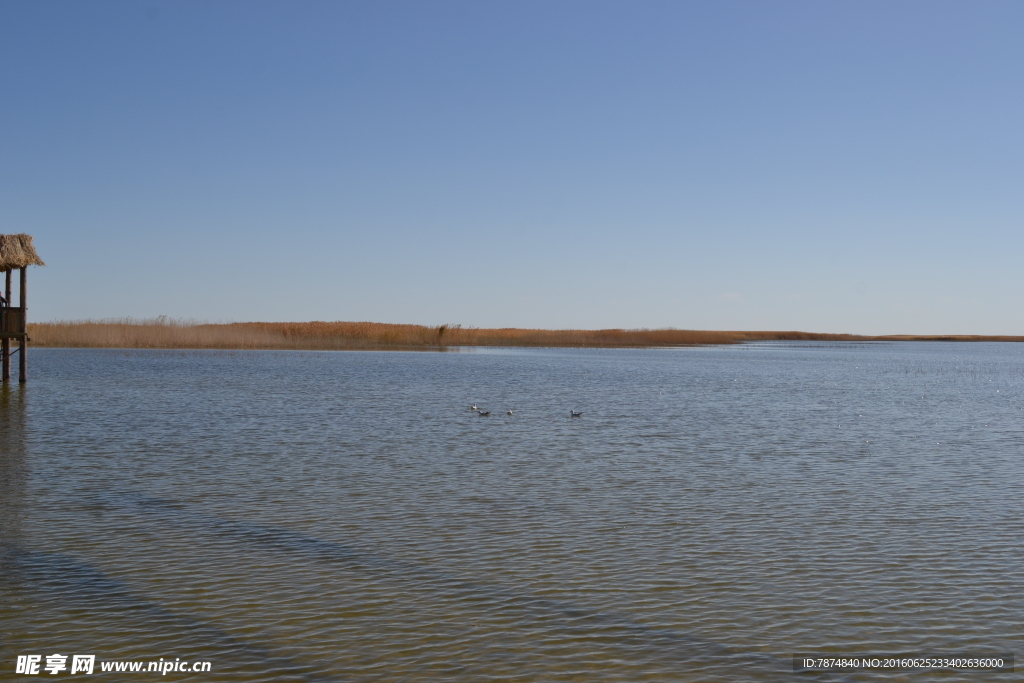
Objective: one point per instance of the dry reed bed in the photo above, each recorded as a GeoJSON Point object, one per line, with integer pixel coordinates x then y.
{"type": "Point", "coordinates": [164, 334]}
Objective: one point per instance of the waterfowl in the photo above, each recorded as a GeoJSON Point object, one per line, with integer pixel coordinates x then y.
{"type": "Point", "coordinates": [473, 407]}
{"type": "Point", "coordinates": [484, 413]}
{"type": "Point", "coordinates": [509, 412]}
{"type": "Point", "coordinates": [573, 413]}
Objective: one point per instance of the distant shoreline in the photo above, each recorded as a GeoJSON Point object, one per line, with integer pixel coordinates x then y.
{"type": "Point", "coordinates": [326, 336]}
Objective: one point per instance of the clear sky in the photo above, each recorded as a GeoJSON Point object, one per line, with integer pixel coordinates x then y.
{"type": "Point", "coordinates": [822, 166]}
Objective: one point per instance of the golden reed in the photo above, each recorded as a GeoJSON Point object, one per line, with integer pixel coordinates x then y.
{"type": "Point", "coordinates": [162, 333]}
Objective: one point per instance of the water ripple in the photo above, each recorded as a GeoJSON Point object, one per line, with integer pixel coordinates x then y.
{"type": "Point", "coordinates": [344, 517]}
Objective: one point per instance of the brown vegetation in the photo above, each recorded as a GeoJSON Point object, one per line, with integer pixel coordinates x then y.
{"type": "Point", "coordinates": [176, 334]}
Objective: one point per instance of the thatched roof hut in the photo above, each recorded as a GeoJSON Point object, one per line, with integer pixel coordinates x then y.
{"type": "Point", "coordinates": [17, 251]}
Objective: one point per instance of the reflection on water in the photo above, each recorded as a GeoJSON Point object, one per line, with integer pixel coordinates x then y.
{"type": "Point", "coordinates": [13, 468]}
{"type": "Point", "coordinates": [12, 454]}
{"type": "Point", "coordinates": [345, 517]}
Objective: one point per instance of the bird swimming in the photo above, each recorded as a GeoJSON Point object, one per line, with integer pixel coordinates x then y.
{"type": "Point", "coordinates": [573, 413]}
{"type": "Point", "coordinates": [509, 412]}
{"type": "Point", "coordinates": [473, 407]}
{"type": "Point", "coordinates": [483, 413]}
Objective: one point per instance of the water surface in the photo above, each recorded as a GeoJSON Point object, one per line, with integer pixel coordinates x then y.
{"type": "Point", "coordinates": [344, 516]}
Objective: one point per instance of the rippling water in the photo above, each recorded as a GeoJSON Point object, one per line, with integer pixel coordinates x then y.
{"type": "Point", "coordinates": [346, 517]}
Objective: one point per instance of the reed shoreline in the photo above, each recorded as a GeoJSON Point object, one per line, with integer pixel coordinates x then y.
{"type": "Point", "coordinates": [162, 333]}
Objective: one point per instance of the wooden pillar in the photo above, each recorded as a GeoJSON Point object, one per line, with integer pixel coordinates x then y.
{"type": "Point", "coordinates": [5, 351]}
{"type": "Point", "coordinates": [23, 347]}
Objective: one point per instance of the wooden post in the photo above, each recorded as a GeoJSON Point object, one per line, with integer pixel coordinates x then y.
{"type": "Point", "coordinates": [23, 347]}
{"type": "Point", "coordinates": [5, 351]}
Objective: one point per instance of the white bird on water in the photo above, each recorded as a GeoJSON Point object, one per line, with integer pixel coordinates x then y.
{"type": "Point", "coordinates": [509, 412]}
{"type": "Point", "coordinates": [573, 413]}
{"type": "Point", "coordinates": [473, 407]}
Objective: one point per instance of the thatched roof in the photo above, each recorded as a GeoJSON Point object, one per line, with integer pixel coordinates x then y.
{"type": "Point", "coordinates": [16, 251]}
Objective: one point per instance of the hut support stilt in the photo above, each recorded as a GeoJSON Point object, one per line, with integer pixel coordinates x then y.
{"type": "Point", "coordinates": [5, 351]}
{"type": "Point", "coordinates": [23, 340]}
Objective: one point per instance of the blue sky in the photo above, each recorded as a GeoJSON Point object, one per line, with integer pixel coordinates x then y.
{"type": "Point", "coordinates": [823, 166]}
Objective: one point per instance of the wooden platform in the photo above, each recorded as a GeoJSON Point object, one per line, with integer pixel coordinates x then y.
{"type": "Point", "coordinates": [12, 323]}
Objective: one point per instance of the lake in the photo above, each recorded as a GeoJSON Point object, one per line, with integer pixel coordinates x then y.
{"type": "Point", "coordinates": [344, 516]}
